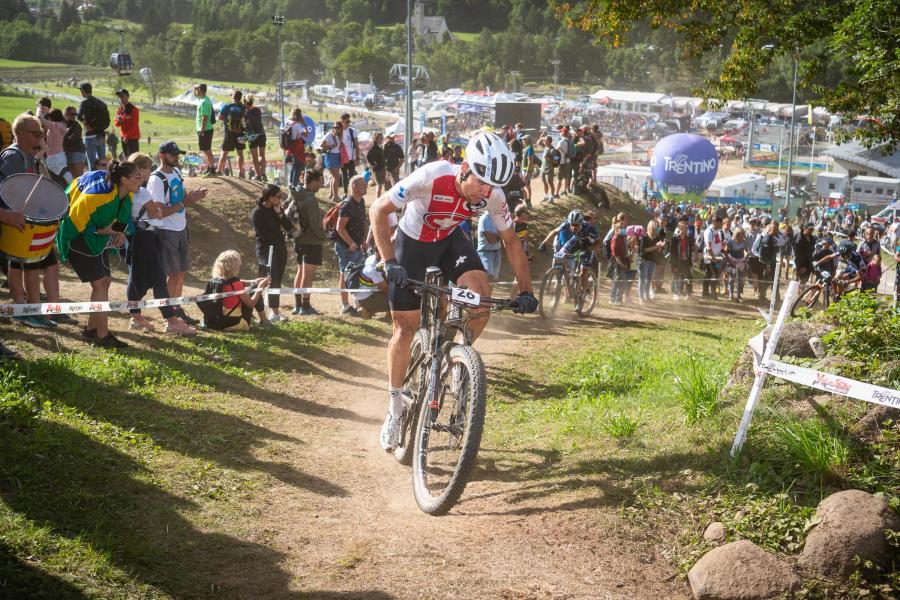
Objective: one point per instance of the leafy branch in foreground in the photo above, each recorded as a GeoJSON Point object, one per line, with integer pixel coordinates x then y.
{"type": "Point", "coordinates": [860, 36]}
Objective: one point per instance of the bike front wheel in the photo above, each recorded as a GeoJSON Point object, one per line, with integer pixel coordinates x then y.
{"type": "Point", "coordinates": [589, 295]}
{"type": "Point", "coordinates": [550, 293]}
{"type": "Point", "coordinates": [448, 435]}
{"type": "Point", "coordinates": [416, 384]}
{"type": "Point", "coordinates": [808, 300]}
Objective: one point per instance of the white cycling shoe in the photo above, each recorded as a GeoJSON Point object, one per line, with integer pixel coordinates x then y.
{"type": "Point", "coordinates": [390, 433]}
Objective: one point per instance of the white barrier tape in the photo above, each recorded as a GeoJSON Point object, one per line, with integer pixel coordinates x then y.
{"type": "Point", "coordinates": [833, 384]}
{"type": "Point", "coordinates": [69, 308]}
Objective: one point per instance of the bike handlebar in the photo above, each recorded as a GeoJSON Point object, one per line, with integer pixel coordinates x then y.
{"type": "Point", "coordinates": [495, 303]}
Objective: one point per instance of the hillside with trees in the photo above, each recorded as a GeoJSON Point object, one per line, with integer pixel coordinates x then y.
{"type": "Point", "coordinates": [234, 40]}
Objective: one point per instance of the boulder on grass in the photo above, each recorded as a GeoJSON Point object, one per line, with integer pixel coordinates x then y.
{"type": "Point", "coordinates": [794, 340]}
{"type": "Point", "coordinates": [741, 571]}
{"type": "Point", "coordinates": [869, 427]}
{"type": "Point", "coordinates": [715, 533]}
{"type": "Point", "coordinates": [852, 524]}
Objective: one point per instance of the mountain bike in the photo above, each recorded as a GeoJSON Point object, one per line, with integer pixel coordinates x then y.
{"type": "Point", "coordinates": [824, 291]}
{"type": "Point", "coordinates": [440, 429]}
{"type": "Point", "coordinates": [559, 280]}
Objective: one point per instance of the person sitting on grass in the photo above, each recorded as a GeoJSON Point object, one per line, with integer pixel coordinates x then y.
{"type": "Point", "coordinates": [371, 279]}
{"type": "Point", "coordinates": [236, 312]}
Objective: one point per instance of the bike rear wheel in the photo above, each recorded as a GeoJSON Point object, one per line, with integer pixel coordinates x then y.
{"type": "Point", "coordinates": [808, 300]}
{"type": "Point", "coordinates": [417, 383]}
{"type": "Point", "coordinates": [550, 293]}
{"type": "Point", "coordinates": [589, 295]}
{"type": "Point", "coordinates": [448, 437]}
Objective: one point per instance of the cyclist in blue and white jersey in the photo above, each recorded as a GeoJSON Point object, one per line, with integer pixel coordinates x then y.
{"type": "Point", "coordinates": [854, 263]}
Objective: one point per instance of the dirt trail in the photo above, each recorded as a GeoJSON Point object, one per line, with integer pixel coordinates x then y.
{"type": "Point", "coordinates": [358, 532]}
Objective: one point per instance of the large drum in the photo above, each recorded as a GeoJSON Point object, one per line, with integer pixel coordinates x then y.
{"type": "Point", "coordinates": [47, 205]}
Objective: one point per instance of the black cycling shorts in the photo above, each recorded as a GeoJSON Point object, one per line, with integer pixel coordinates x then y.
{"type": "Point", "coordinates": [454, 255]}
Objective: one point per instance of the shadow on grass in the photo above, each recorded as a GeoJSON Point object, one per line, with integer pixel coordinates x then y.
{"type": "Point", "coordinates": [64, 479]}
{"type": "Point", "coordinates": [18, 579]}
{"type": "Point", "coordinates": [222, 439]}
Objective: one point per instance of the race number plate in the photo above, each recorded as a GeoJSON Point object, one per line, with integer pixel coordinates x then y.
{"type": "Point", "coordinates": [465, 296]}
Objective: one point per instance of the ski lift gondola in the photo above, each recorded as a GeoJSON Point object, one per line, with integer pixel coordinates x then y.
{"type": "Point", "coordinates": [121, 62]}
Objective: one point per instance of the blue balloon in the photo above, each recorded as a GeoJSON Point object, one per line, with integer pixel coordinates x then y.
{"type": "Point", "coordinates": [308, 139]}
{"type": "Point", "coordinates": [684, 165]}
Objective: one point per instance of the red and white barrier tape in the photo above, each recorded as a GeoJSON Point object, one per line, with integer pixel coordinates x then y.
{"type": "Point", "coordinates": [833, 383]}
{"type": "Point", "coordinates": [68, 308]}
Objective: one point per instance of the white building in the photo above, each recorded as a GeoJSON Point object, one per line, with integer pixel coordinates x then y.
{"type": "Point", "coordinates": [854, 159]}
{"type": "Point", "coordinates": [831, 183]}
{"type": "Point", "coordinates": [874, 191]}
{"type": "Point", "coordinates": [430, 28]}
{"type": "Point", "coordinates": [742, 185]}
{"type": "Point", "coordinates": [643, 102]}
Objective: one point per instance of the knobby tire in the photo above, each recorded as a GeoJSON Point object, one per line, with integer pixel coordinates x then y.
{"type": "Point", "coordinates": [417, 383]}
{"type": "Point", "coordinates": [807, 299]}
{"type": "Point", "coordinates": [439, 501]}
{"type": "Point", "coordinates": [551, 290]}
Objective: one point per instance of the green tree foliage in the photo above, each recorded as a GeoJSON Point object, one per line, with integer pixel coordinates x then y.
{"type": "Point", "coordinates": [864, 35]}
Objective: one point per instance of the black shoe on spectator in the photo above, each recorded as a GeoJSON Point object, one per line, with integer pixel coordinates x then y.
{"type": "Point", "coordinates": [110, 341]}
{"type": "Point", "coordinates": [7, 353]}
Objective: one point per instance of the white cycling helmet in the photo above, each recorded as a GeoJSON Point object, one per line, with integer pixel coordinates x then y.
{"type": "Point", "coordinates": [490, 159]}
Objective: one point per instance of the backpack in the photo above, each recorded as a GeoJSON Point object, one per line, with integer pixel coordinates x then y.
{"type": "Point", "coordinates": [98, 116]}
{"type": "Point", "coordinates": [352, 272]}
{"type": "Point", "coordinates": [516, 146]}
{"type": "Point", "coordinates": [6, 133]}
{"type": "Point", "coordinates": [329, 222]}
{"type": "Point", "coordinates": [285, 139]}
{"type": "Point", "coordinates": [554, 157]}
{"type": "Point", "coordinates": [213, 316]}
{"type": "Point", "coordinates": [571, 151]}
{"type": "Point", "coordinates": [233, 116]}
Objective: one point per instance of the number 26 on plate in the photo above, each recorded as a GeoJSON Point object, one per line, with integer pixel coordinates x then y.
{"type": "Point", "coordinates": [465, 296]}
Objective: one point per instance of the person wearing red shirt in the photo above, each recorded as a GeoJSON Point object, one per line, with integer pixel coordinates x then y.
{"type": "Point", "coordinates": [297, 147]}
{"type": "Point", "coordinates": [128, 121]}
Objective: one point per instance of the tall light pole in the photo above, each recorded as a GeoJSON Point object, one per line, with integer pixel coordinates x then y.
{"type": "Point", "coordinates": [555, 62]}
{"type": "Point", "coordinates": [278, 22]}
{"type": "Point", "coordinates": [409, 78]}
{"type": "Point", "coordinates": [787, 196]}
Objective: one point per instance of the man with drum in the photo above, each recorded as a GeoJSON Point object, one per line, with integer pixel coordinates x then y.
{"type": "Point", "coordinates": [24, 275]}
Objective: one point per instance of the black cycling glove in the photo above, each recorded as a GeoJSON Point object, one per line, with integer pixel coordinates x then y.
{"type": "Point", "coordinates": [526, 303]}
{"type": "Point", "coordinates": [394, 272]}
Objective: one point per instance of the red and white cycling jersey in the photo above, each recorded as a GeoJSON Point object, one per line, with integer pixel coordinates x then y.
{"type": "Point", "coordinates": [433, 206]}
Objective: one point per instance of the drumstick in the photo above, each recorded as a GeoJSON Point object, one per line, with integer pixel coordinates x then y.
{"type": "Point", "coordinates": [31, 193]}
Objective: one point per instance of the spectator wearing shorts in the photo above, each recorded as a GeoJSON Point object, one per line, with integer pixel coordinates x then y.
{"type": "Point", "coordinates": [352, 229]}
{"type": "Point", "coordinates": [309, 238]}
{"type": "Point", "coordinates": [54, 124]}
{"type": "Point", "coordinates": [564, 183]}
{"type": "Point", "coordinates": [331, 148]}
{"type": "Point", "coordinates": [145, 270]}
{"type": "Point", "coordinates": [256, 137]}
{"type": "Point", "coordinates": [99, 218]}
{"type": "Point", "coordinates": [232, 116]}
{"type": "Point", "coordinates": [296, 149]}
{"type": "Point", "coordinates": [24, 277]}
{"type": "Point", "coordinates": [547, 165]}
{"type": "Point", "coordinates": [204, 126]}
{"type": "Point", "coordinates": [166, 186]}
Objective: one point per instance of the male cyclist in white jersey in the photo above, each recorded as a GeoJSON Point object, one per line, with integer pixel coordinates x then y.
{"type": "Point", "coordinates": [438, 197]}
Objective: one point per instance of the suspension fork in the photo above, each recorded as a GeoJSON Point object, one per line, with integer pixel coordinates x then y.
{"type": "Point", "coordinates": [437, 356]}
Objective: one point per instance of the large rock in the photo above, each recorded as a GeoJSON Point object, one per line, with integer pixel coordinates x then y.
{"type": "Point", "coordinates": [852, 524]}
{"type": "Point", "coordinates": [741, 571]}
{"type": "Point", "coordinates": [715, 533]}
{"type": "Point", "coordinates": [794, 340]}
{"type": "Point", "coordinates": [869, 427]}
